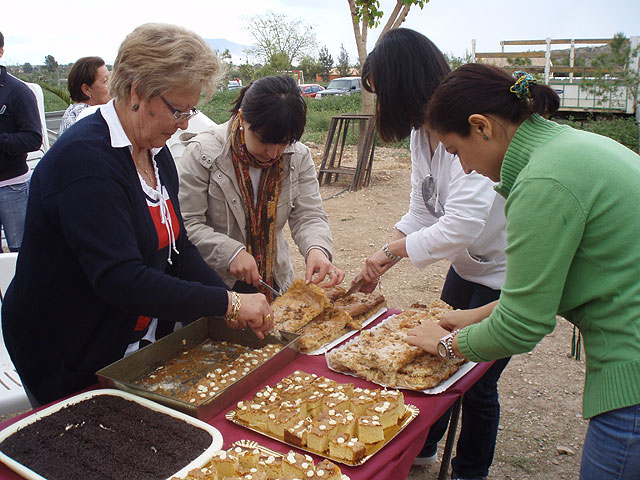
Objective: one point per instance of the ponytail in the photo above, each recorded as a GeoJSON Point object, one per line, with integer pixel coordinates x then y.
{"type": "Point", "coordinates": [485, 89]}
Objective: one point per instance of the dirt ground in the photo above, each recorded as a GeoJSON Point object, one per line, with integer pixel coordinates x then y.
{"type": "Point", "coordinates": [541, 429]}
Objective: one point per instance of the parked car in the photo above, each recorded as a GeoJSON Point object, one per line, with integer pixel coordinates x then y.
{"type": "Point", "coordinates": [342, 86]}
{"type": "Point", "coordinates": [310, 89]}
{"type": "Point", "coordinates": [234, 85]}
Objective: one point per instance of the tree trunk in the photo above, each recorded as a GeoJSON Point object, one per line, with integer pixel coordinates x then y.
{"type": "Point", "coordinates": [360, 30]}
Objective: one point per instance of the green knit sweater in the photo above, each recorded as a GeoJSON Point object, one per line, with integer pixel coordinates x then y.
{"type": "Point", "coordinates": [573, 248]}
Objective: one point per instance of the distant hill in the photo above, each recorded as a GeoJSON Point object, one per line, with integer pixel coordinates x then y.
{"type": "Point", "coordinates": [221, 44]}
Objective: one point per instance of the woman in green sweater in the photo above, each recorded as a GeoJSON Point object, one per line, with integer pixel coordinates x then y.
{"type": "Point", "coordinates": [573, 248]}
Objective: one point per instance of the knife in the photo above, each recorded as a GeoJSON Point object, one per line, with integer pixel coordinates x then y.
{"type": "Point", "coordinates": [274, 332]}
{"type": "Point", "coordinates": [271, 289]}
{"type": "Point", "coordinates": [356, 286]}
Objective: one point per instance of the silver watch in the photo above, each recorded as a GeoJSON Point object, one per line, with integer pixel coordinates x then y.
{"type": "Point", "coordinates": [445, 346]}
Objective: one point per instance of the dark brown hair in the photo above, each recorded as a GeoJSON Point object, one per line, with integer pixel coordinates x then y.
{"type": "Point", "coordinates": [478, 88]}
{"type": "Point", "coordinates": [403, 70]}
{"type": "Point", "coordinates": [274, 108]}
{"type": "Point", "coordinates": [82, 71]}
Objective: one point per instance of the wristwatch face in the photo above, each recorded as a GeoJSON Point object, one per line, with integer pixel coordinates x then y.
{"type": "Point", "coordinates": [442, 349]}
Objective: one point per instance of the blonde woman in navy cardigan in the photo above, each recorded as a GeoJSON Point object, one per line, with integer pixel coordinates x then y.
{"type": "Point", "coordinates": [106, 265]}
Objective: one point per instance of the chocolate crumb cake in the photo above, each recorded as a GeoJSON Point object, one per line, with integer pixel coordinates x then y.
{"type": "Point", "coordinates": [106, 437]}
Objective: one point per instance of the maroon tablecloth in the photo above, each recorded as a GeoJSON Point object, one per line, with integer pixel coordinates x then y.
{"type": "Point", "coordinates": [393, 461]}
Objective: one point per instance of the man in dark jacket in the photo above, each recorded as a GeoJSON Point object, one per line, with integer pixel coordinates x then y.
{"type": "Point", "coordinates": [20, 133]}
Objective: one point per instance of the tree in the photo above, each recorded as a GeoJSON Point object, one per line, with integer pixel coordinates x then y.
{"type": "Point", "coordinates": [27, 68]}
{"type": "Point", "coordinates": [617, 69]}
{"type": "Point", "coordinates": [455, 62]}
{"type": "Point", "coordinates": [275, 33]}
{"type": "Point", "coordinates": [343, 62]}
{"type": "Point", "coordinates": [310, 67]}
{"type": "Point", "coordinates": [225, 56]}
{"type": "Point", "coordinates": [51, 63]}
{"type": "Point", "coordinates": [246, 72]}
{"type": "Point", "coordinates": [366, 14]}
{"type": "Point", "coordinates": [326, 61]}
{"type": "Point", "coordinates": [279, 61]}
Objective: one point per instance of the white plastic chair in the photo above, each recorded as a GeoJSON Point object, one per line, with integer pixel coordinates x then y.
{"type": "Point", "coordinates": [12, 395]}
{"type": "Point", "coordinates": [197, 124]}
{"type": "Point", "coordinates": [34, 157]}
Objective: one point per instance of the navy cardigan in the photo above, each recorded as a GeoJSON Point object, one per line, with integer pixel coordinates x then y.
{"type": "Point", "coordinates": [89, 265]}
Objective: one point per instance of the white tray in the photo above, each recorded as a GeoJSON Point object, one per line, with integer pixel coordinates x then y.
{"type": "Point", "coordinates": [325, 348]}
{"type": "Point", "coordinates": [441, 387]}
{"type": "Point", "coordinates": [216, 443]}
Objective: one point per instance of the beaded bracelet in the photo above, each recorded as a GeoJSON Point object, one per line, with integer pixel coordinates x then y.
{"type": "Point", "coordinates": [387, 252]}
{"type": "Point", "coordinates": [232, 317]}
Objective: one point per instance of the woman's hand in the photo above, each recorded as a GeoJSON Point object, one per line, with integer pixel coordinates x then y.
{"type": "Point", "coordinates": [319, 264]}
{"type": "Point", "coordinates": [367, 287]}
{"type": "Point", "coordinates": [245, 268]}
{"type": "Point", "coordinates": [458, 319]}
{"type": "Point", "coordinates": [254, 313]}
{"type": "Point", "coordinates": [375, 266]}
{"type": "Point", "coordinates": [426, 336]}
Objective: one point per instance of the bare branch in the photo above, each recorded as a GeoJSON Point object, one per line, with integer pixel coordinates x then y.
{"type": "Point", "coordinates": [392, 17]}
{"type": "Point", "coordinates": [402, 17]}
{"type": "Point", "coordinates": [275, 33]}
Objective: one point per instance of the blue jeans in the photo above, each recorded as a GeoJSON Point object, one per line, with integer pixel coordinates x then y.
{"type": "Point", "coordinates": [13, 207]}
{"type": "Point", "coordinates": [480, 405]}
{"type": "Point", "coordinates": [612, 446]}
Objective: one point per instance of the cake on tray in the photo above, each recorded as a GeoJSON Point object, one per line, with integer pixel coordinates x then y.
{"type": "Point", "coordinates": [248, 460]}
{"type": "Point", "coordinates": [321, 316]}
{"type": "Point", "coordinates": [383, 356]}
{"type": "Point", "coordinates": [330, 426]}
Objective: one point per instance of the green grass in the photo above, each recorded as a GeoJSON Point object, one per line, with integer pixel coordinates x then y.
{"type": "Point", "coordinates": [319, 114]}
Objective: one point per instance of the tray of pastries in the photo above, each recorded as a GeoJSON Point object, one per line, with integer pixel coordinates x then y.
{"type": "Point", "coordinates": [335, 420]}
{"type": "Point", "coordinates": [382, 355]}
{"type": "Point", "coordinates": [324, 318]}
{"type": "Point", "coordinates": [202, 368]}
{"type": "Point", "coordinates": [248, 460]}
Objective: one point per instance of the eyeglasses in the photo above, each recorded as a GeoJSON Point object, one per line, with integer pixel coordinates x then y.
{"type": "Point", "coordinates": [429, 188]}
{"type": "Point", "coordinates": [179, 116]}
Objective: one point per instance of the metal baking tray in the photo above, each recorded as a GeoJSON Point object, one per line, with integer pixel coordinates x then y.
{"type": "Point", "coordinates": [25, 472]}
{"type": "Point", "coordinates": [123, 373]}
{"type": "Point", "coordinates": [410, 412]}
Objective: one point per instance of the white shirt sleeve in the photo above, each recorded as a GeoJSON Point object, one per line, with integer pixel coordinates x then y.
{"type": "Point", "coordinates": [467, 201]}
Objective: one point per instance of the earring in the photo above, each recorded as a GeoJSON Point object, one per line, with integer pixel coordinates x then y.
{"type": "Point", "coordinates": [485, 137]}
{"type": "Point", "coordinates": [135, 107]}
{"type": "Point", "coordinates": [241, 128]}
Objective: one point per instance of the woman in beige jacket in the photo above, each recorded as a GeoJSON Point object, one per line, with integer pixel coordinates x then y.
{"type": "Point", "coordinates": [242, 181]}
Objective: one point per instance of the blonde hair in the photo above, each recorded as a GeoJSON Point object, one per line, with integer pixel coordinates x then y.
{"type": "Point", "coordinates": [158, 57]}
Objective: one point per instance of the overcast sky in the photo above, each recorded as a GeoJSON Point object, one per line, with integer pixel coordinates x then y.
{"type": "Point", "coordinates": [69, 29]}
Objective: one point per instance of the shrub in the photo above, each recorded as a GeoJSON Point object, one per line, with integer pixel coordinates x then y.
{"type": "Point", "coordinates": [621, 129]}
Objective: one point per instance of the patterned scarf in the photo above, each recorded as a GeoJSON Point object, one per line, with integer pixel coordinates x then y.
{"type": "Point", "coordinates": [261, 219]}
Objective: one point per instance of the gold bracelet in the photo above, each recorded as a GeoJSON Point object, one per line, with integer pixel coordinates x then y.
{"type": "Point", "coordinates": [235, 308]}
